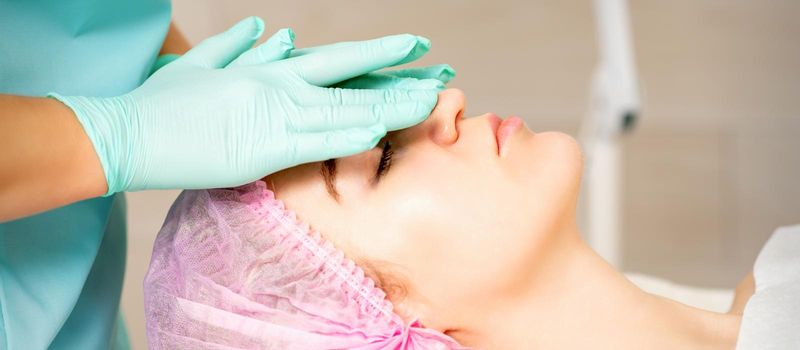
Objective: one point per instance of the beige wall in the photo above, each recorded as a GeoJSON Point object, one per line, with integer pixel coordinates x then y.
{"type": "Point", "coordinates": [711, 169]}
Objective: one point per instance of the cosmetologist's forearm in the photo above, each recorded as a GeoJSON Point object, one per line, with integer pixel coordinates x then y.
{"type": "Point", "coordinates": [46, 158]}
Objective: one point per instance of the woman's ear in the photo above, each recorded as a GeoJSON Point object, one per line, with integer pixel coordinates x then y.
{"type": "Point", "coordinates": [390, 279]}
{"type": "Point", "coordinates": [413, 306]}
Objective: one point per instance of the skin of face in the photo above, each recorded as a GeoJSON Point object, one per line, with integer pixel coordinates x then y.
{"type": "Point", "coordinates": [453, 221]}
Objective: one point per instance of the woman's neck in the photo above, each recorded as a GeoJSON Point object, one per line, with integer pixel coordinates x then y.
{"type": "Point", "coordinates": [577, 301]}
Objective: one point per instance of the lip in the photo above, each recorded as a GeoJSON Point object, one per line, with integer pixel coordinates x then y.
{"type": "Point", "coordinates": [494, 122]}
{"type": "Point", "coordinates": [503, 129]}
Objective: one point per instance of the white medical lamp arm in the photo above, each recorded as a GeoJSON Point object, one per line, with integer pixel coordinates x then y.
{"type": "Point", "coordinates": [613, 108]}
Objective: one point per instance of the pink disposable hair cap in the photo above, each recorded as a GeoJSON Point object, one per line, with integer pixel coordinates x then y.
{"type": "Point", "coordinates": [234, 269]}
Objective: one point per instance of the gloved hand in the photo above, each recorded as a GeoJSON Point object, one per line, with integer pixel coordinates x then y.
{"type": "Point", "coordinates": [430, 77]}
{"type": "Point", "coordinates": [281, 45]}
{"type": "Point", "coordinates": [193, 124]}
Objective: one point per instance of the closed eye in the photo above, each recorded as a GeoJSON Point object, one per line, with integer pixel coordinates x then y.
{"type": "Point", "coordinates": [385, 162]}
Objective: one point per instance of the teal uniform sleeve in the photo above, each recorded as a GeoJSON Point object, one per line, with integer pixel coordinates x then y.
{"type": "Point", "coordinates": [61, 271]}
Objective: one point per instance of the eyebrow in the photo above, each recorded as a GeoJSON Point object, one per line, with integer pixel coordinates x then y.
{"type": "Point", "coordinates": [328, 170]}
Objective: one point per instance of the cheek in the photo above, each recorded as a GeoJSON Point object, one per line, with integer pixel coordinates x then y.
{"type": "Point", "coordinates": [470, 224]}
{"type": "Point", "coordinates": [454, 227]}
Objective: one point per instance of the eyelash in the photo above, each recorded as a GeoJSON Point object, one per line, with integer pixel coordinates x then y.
{"type": "Point", "coordinates": [385, 162]}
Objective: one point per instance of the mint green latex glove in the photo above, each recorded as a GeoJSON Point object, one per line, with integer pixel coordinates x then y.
{"type": "Point", "coordinates": [430, 77]}
{"type": "Point", "coordinates": [281, 45]}
{"type": "Point", "coordinates": [277, 47]}
{"type": "Point", "coordinates": [163, 60]}
{"type": "Point", "coordinates": [225, 114]}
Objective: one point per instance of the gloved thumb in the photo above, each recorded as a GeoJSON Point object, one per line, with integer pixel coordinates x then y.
{"type": "Point", "coordinates": [219, 50]}
{"type": "Point", "coordinates": [276, 48]}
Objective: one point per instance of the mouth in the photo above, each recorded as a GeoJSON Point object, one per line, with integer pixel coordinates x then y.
{"type": "Point", "coordinates": [503, 129]}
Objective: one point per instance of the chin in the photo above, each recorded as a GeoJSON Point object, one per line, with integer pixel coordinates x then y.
{"type": "Point", "coordinates": [566, 147]}
{"type": "Point", "coordinates": [571, 154]}
{"type": "Point", "coordinates": [560, 146]}
{"type": "Point", "coordinates": [553, 168]}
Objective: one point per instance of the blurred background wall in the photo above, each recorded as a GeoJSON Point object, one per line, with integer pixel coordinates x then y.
{"type": "Point", "coordinates": [711, 169]}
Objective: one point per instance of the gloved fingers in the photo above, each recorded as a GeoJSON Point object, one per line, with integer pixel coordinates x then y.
{"type": "Point", "coordinates": [440, 72]}
{"type": "Point", "coordinates": [276, 48]}
{"type": "Point", "coordinates": [317, 96]}
{"type": "Point", "coordinates": [219, 50]}
{"type": "Point", "coordinates": [320, 48]}
{"type": "Point", "coordinates": [319, 146]}
{"type": "Point", "coordinates": [330, 66]}
{"type": "Point", "coordinates": [413, 56]}
{"type": "Point", "coordinates": [393, 116]}
{"type": "Point", "coordinates": [384, 81]}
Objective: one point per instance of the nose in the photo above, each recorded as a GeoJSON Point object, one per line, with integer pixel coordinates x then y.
{"type": "Point", "coordinates": [442, 125]}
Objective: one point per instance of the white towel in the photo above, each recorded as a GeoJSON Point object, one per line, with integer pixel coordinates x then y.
{"type": "Point", "coordinates": [772, 315]}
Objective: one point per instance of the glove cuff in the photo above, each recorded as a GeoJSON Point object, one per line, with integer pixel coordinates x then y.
{"type": "Point", "coordinates": [106, 122]}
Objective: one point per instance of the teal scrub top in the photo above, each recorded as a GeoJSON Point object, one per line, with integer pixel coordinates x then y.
{"type": "Point", "coordinates": [61, 271]}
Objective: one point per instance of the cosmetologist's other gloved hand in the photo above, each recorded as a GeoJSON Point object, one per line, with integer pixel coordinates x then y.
{"type": "Point", "coordinates": [429, 77]}
{"type": "Point", "coordinates": [200, 122]}
{"type": "Point", "coordinates": [281, 45]}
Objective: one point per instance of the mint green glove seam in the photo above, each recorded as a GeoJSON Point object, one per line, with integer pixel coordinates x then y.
{"type": "Point", "coordinates": [90, 130]}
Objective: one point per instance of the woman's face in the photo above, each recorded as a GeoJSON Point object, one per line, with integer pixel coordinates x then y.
{"type": "Point", "coordinates": [455, 219]}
